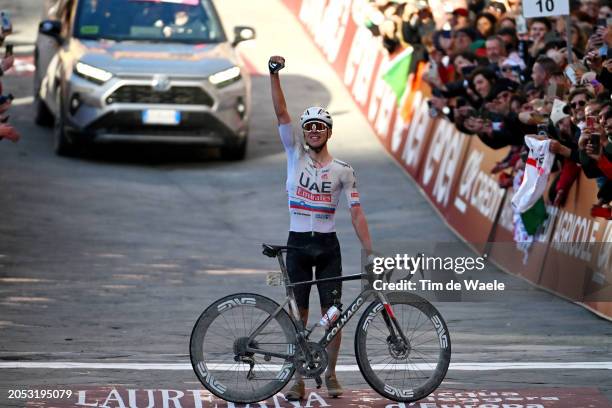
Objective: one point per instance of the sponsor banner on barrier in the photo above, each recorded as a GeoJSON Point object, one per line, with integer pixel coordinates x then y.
{"type": "Point", "coordinates": [453, 169]}
{"type": "Point", "coordinates": [478, 196]}
{"type": "Point", "coordinates": [120, 397]}
{"type": "Point", "coordinates": [579, 260]}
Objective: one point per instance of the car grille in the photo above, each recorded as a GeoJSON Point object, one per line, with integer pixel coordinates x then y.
{"type": "Point", "coordinates": [177, 95]}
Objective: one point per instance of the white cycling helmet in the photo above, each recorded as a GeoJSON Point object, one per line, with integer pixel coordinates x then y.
{"type": "Point", "coordinates": [316, 113]}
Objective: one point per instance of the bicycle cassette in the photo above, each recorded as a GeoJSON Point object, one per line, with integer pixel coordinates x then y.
{"type": "Point", "coordinates": [318, 362]}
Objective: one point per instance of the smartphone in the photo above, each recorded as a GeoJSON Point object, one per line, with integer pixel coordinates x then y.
{"type": "Point", "coordinates": [466, 71]}
{"type": "Point", "coordinates": [551, 90]}
{"type": "Point", "coordinates": [595, 142]}
{"type": "Point", "coordinates": [521, 25]}
{"type": "Point", "coordinates": [570, 74]}
{"type": "Point", "coordinates": [433, 112]}
{"type": "Point", "coordinates": [603, 51]}
{"type": "Point", "coordinates": [4, 119]}
{"type": "Point", "coordinates": [9, 50]}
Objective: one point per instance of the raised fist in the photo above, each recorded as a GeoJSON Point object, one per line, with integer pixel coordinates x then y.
{"type": "Point", "coordinates": [275, 64]}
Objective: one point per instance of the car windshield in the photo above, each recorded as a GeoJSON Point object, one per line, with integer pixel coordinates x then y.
{"type": "Point", "coordinates": [191, 21]}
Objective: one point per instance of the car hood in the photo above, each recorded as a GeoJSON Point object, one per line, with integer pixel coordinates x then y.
{"type": "Point", "coordinates": [143, 59]}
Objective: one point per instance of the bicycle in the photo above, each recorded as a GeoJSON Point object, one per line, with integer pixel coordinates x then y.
{"type": "Point", "coordinates": [245, 347]}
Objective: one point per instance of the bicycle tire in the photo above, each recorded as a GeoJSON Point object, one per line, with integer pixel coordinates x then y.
{"type": "Point", "coordinates": [393, 387]}
{"type": "Point", "coordinates": [215, 371]}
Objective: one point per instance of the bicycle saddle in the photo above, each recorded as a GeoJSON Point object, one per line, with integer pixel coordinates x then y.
{"type": "Point", "coordinates": [273, 250]}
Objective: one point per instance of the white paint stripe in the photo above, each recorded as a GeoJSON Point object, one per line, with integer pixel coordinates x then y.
{"type": "Point", "coordinates": [22, 101]}
{"type": "Point", "coordinates": [596, 365]}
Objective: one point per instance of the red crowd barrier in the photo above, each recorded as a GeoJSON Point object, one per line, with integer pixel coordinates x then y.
{"type": "Point", "coordinates": [453, 169]}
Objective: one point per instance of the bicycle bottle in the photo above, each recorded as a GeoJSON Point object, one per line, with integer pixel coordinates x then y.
{"type": "Point", "coordinates": [329, 317]}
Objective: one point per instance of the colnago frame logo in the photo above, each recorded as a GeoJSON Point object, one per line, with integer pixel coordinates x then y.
{"type": "Point", "coordinates": [397, 392]}
{"type": "Point", "coordinates": [441, 332]}
{"type": "Point", "coordinates": [210, 380]}
{"type": "Point", "coordinates": [228, 304]}
{"type": "Point", "coordinates": [344, 318]}
{"type": "Point", "coordinates": [371, 316]}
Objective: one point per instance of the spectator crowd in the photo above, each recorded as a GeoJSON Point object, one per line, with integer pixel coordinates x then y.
{"type": "Point", "coordinates": [500, 77]}
{"type": "Point", "coordinates": [6, 62]}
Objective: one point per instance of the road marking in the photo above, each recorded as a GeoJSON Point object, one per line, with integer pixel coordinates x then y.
{"type": "Point", "coordinates": [27, 100]}
{"type": "Point", "coordinates": [596, 365]}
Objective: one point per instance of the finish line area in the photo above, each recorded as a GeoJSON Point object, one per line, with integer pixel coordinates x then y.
{"type": "Point", "coordinates": [119, 397]}
{"type": "Point", "coordinates": [122, 391]}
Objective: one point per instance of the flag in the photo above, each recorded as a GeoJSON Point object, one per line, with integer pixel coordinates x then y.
{"type": "Point", "coordinates": [396, 74]}
{"type": "Point", "coordinates": [407, 101]}
{"type": "Point", "coordinates": [534, 217]}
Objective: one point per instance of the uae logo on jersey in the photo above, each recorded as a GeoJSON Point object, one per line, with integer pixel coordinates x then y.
{"type": "Point", "coordinates": [324, 176]}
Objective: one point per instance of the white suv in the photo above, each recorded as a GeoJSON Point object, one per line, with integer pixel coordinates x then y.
{"type": "Point", "coordinates": [154, 71]}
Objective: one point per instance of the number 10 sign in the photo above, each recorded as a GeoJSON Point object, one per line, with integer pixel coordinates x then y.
{"type": "Point", "coordinates": [545, 8]}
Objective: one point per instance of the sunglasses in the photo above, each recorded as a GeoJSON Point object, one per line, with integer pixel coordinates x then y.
{"type": "Point", "coordinates": [510, 69]}
{"type": "Point", "coordinates": [580, 104]}
{"type": "Point", "coordinates": [315, 127]}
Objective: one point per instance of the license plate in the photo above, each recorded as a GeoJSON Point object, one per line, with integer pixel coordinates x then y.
{"type": "Point", "coordinates": [161, 117]}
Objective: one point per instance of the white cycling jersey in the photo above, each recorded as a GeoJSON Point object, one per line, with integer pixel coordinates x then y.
{"type": "Point", "coordinates": [314, 192]}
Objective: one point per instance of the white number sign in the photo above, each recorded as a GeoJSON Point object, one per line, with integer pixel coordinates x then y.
{"type": "Point", "coordinates": [545, 8]}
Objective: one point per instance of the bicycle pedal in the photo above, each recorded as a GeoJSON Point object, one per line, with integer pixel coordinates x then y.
{"type": "Point", "coordinates": [318, 381]}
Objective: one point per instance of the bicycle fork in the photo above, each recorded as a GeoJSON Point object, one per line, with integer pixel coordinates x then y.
{"type": "Point", "coordinates": [393, 326]}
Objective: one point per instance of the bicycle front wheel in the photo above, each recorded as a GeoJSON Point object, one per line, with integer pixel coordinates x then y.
{"type": "Point", "coordinates": [396, 369]}
{"type": "Point", "coordinates": [219, 343]}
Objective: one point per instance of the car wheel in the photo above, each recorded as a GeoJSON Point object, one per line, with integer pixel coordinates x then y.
{"type": "Point", "coordinates": [62, 144]}
{"type": "Point", "coordinates": [42, 114]}
{"type": "Point", "coordinates": [234, 152]}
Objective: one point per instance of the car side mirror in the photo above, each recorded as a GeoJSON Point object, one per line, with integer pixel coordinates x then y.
{"type": "Point", "coordinates": [243, 33]}
{"type": "Point", "coordinates": [53, 29]}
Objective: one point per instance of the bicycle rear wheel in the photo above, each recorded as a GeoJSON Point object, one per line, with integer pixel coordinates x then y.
{"type": "Point", "coordinates": [218, 348]}
{"type": "Point", "coordinates": [399, 371]}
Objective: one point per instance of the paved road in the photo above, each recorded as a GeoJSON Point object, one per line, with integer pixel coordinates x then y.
{"type": "Point", "coordinates": [110, 258]}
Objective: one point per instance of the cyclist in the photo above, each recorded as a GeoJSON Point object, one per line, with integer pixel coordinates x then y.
{"type": "Point", "coordinates": [315, 181]}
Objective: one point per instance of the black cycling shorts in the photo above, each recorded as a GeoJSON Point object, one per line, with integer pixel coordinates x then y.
{"type": "Point", "coordinates": [321, 251]}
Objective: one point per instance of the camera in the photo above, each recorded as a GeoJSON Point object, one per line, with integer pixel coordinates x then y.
{"type": "Point", "coordinates": [543, 129]}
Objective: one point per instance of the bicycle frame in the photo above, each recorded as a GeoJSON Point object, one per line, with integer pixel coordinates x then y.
{"type": "Point", "coordinates": [303, 333]}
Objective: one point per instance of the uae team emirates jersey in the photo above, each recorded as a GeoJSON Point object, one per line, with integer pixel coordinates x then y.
{"type": "Point", "coordinates": [314, 192]}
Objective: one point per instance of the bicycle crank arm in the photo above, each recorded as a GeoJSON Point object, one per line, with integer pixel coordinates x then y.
{"type": "Point", "coordinates": [318, 381]}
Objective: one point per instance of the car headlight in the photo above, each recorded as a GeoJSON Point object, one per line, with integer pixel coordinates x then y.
{"type": "Point", "coordinates": [225, 77]}
{"type": "Point", "coordinates": [92, 73]}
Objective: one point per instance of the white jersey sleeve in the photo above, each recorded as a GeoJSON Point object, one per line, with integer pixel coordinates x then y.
{"type": "Point", "coordinates": [349, 185]}
{"type": "Point", "coordinates": [290, 142]}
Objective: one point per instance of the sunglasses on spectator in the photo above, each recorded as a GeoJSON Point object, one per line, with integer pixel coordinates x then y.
{"type": "Point", "coordinates": [509, 68]}
{"type": "Point", "coordinates": [577, 104]}
{"type": "Point", "coordinates": [315, 127]}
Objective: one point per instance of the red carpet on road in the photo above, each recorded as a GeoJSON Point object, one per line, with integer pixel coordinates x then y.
{"type": "Point", "coordinates": [23, 66]}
